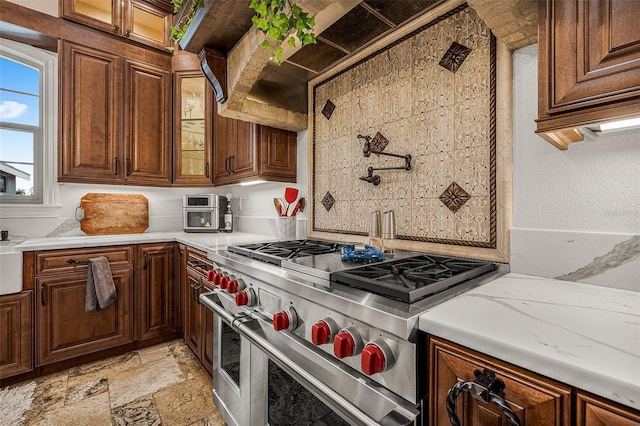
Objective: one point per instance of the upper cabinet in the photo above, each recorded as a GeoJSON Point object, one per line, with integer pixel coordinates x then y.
{"type": "Point", "coordinates": [192, 120]}
{"type": "Point", "coordinates": [247, 151]}
{"type": "Point", "coordinates": [235, 150]}
{"type": "Point", "coordinates": [115, 119]}
{"type": "Point", "coordinates": [588, 66]}
{"type": "Point", "coordinates": [147, 22]}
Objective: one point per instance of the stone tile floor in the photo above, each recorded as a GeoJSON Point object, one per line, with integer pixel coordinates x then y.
{"type": "Point", "coordinates": [160, 385]}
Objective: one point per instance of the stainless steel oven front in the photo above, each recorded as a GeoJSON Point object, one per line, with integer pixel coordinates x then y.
{"type": "Point", "coordinates": [264, 377]}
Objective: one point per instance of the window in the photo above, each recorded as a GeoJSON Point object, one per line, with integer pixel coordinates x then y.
{"type": "Point", "coordinates": [28, 95]}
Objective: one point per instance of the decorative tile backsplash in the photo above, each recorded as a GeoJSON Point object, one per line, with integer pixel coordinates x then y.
{"type": "Point", "coordinates": [431, 95]}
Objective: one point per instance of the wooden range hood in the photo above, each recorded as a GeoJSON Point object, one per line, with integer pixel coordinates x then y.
{"type": "Point", "coordinates": [251, 88]}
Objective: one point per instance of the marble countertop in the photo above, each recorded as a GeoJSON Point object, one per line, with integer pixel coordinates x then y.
{"type": "Point", "coordinates": [201, 241]}
{"type": "Point", "coordinates": [583, 335]}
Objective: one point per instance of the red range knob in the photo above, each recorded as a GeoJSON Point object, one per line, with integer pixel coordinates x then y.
{"type": "Point", "coordinates": [217, 278]}
{"type": "Point", "coordinates": [211, 275]}
{"type": "Point", "coordinates": [232, 287]}
{"type": "Point", "coordinates": [343, 344]}
{"type": "Point", "coordinates": [224, 282]}
{"type": "Point", "coordinates": [280, 321]}
{"type": "Point", "coordinates": [246, 297]}
{"type": "Point", "coordinates": [320, 333]}
{"type": "Point", "coordinates": [373, 359]}
{"type": "Point", "coordinates": [242, 298]}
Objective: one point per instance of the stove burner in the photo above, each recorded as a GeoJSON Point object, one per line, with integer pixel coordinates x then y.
{"type": "Point", "coordinates": [275, 252]}
{"type": "Point", "coordinates": [412, 278]}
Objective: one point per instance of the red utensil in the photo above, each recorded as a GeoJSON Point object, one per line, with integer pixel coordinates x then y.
{"type": "Point", "coordinates": [290, 195]}
{"type": "Point", "coordinates": [299, 207]}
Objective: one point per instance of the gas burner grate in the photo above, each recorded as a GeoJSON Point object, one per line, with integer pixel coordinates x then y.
{"type": "Point", "coordinates": [413, 278]}
{"type": "Point", "coordinates": [275, 252]}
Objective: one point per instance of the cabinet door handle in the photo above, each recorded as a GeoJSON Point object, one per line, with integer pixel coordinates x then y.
{"type": "Point", "coordinates": [196, 288]}
{"type": "Point", "coordinates": [485, 388]}
{"type": "Point", "coordinates": [128, 167]}
{"type": "Point", "coordinates": [226, 165]}
{"type": "Point", "coordinates": [230, 163]}
{"type": "Point", "coordinates": [42, 294]}
{"type": "Point", "coordinates": [127, 33]}
{"type": "Point", "coordinates": [117, 165]}
{"type": "Point", "coordinates": [116, 28]}
{"type": "Point", "coordinates": [145, 261]}
{"type": "Point", "coordinates": [206, 169]}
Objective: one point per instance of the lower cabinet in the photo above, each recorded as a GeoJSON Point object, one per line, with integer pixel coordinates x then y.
{"type": "Point", "coordinates": [156, 290]}
{"type": "Point", "coordinates": [198, 320]}
{"type": "Point", "coordinates": [16, 333]}
{"type": "Point", "coordinates": [594, 411]}
{"type": "Point", "coordinates": [66, 330]}
{"type": "Point", "coordinates": [536, 400]}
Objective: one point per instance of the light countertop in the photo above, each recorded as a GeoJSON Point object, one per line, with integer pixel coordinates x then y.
{"type": "Point", "coordinates": [583, 335]}
{"type": "Point", "coordinates": [201, 241]}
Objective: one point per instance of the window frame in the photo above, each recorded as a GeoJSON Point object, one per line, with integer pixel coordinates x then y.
{"type": "Point", "coordinates": [46, 199]}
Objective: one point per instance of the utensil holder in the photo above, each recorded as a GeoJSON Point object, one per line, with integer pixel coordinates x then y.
{"type": "Point", "coordinates": [286, 228]}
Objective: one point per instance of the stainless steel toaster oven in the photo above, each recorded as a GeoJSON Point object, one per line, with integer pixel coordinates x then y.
{"type": "Point", "coordinates": [203, 212]}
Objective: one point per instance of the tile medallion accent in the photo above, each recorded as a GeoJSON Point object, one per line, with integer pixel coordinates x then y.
{"type": "Point", "coordinates": [328, 109]}
{"type": "Point", "coordinates": [328, 201]}
{"type": "Point", "coordinates": [454, 197]}
{"type": "Point", "coordinates": [454, 57]}
{"type": "Point", "coordinates": [379, 142]}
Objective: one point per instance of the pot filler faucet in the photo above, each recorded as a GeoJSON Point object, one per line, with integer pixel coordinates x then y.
{"type": "Point", "coordinates": [367, 151]}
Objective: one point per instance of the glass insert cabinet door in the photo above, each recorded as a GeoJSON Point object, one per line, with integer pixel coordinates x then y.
{"type": "Point", "coordinates": [192, 129]}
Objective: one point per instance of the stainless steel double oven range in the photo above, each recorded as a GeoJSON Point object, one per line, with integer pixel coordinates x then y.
{"type": "Point", "coordinates": [304, 338]}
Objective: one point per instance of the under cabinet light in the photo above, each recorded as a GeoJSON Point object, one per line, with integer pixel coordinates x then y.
{"type": "Point", "coordinates": [619, 125]}
{"type": "Point", "coordinates": [252, 182]}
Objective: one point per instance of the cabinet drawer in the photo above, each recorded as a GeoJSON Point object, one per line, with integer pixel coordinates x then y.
{"type": "Point", "coordinates": [197, 260]}
{"type": "Point", "coordinates": [594, 411]}
{"type": "Point", "coordinates": [62, 261]}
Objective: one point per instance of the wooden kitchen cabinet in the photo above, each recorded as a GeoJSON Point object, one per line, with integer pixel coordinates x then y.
{"type": "Point", "coordinates": [144, 21]}
{"type": "Point", "coordinates": [594, 411]}
{"type": "Point", "coordinates": [156, 290]}
{"type": "Point", "coordinates": [63, 329]}
{"type": "Point", "coordinates": [198, 320]}
{"type": "Point", "coordinates": [278, 153]}
{"type": "Point", "coordinates": [244, 151]}
{"type": "Point", "coordinates": [536, 400]}
{"type": "Point", "coordinates": [588, 66]}
{"type": "Point", "coordinates": [235, 150]}
{"type": "Point", "coordinates": [16, 333]}
{"type": "Point", "coordinates": [192, 127]}
{"type": "Point", "coordinates": [115, 119]}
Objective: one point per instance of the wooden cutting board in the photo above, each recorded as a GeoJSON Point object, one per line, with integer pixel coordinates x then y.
{"type": "Point", "coordinates": [107, 214]}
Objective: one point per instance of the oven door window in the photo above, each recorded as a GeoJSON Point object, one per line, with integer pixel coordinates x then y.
{"type": "Point", "coordinates": [199, 219]}
{"type": "Point", "coordinates": [230, 353]}
{"type": "Point", "coordinates": [290, 403]}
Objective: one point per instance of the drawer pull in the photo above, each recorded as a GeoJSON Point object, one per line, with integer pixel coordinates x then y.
{"type": "Point", "coordinates": [485, 388]}
{"type": "Point", "coordinates": [78, 262]}
{"type": "Point", "coordinates": [42, 292]}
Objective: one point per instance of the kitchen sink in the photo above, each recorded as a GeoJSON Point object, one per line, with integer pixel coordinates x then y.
{"type": "Point", "coordinates": [11, 267]}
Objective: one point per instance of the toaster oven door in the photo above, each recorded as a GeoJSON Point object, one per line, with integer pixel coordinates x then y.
{"type": "Point", "coordinates": [201, 220]}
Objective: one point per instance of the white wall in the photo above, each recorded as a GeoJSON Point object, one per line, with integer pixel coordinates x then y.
{"type": "Point", "coordinates": [572, 207]}
{"type": "Point", "coordinates": [593, 186]}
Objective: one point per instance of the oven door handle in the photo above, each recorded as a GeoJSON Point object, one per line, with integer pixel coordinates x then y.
{"type": "Point", "coordinates": [231, 320]}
